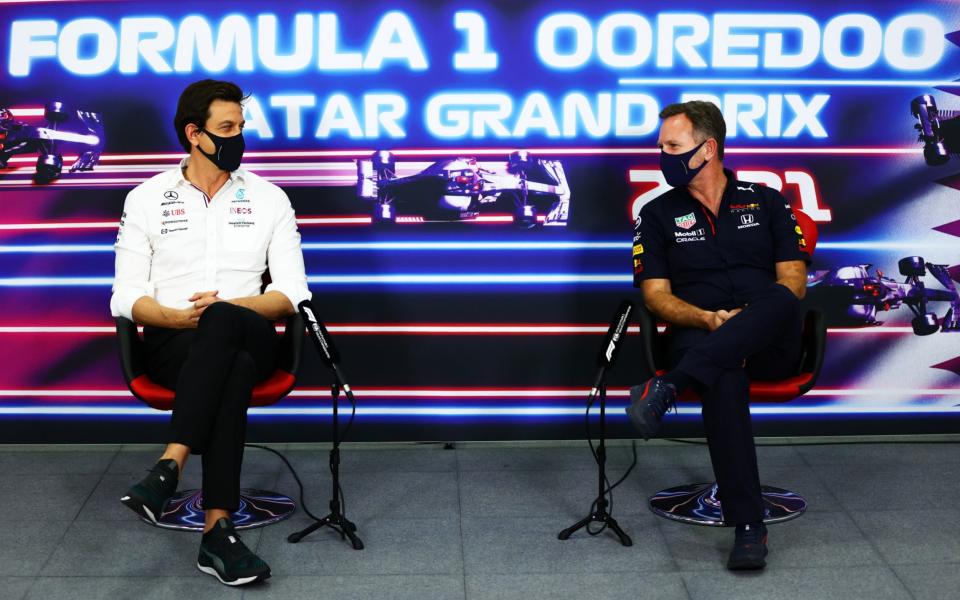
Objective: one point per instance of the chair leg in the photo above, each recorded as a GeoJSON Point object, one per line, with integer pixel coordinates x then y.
{"type": "Point", "coordinates": [698, 504]}
{"type": "Point", "coordinates": [184, 510]}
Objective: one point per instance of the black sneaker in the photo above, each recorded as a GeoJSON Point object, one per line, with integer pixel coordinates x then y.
{"type": "Point", "coordinates": [648, 403]}
{"type": "Point", "coordinates": [148, 497]}
{"type": "Point", "coordinates": [749, 548]}
{"type": "Point", "coordinates": [224, 556]}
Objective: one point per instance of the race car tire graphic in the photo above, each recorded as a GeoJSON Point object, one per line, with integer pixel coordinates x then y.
{"type": "Point", "coordinates": [931, 129]}
{"type": "Point", "coordinates": [935, 155]}
{"type": "Point", "coordinates": [926, 324]}
{"type": "Point", "coordinates": [384, 214]}
{"type": "Point", "coordinates": [912, 266]}
{"type": "Point", "coordinates": [526, 216]}
{"type": "Point", "coordinates": [55, 112]}
{"type": "Point", "coordinates": [49, 166]}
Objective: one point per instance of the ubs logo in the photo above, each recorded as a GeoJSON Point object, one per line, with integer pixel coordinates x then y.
{"type": "Point", "coordinates": [746, 219]}
{"type": "Point", "coordinates": [170, 195]}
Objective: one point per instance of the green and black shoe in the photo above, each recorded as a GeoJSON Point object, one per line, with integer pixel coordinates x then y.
{"type": "Point", "coordinates": [148, 497]}
{"type": "Point", "coordinates": [224, 556]}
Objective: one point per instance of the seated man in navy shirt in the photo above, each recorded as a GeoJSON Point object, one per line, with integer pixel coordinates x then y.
{"type": "Point", "coordinates": [724, 263]}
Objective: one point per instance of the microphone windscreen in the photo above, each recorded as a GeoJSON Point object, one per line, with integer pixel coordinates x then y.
{"type": "Point", "coordinates": [318, 333]}
{"type": "Point", "coordinates": [615, 334]}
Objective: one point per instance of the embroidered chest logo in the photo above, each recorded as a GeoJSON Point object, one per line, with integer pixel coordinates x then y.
{"type": "Point", "coordinates": [686, 221]}
{"type": "Point", "coordinates": [747, 221]}
{"type": "Point", "coordinates": [744, 207]}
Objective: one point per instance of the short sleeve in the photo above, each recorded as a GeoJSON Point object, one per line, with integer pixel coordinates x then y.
{"type": "Point", "coordinates": [788, 240]}
{"type": "Point", "coordinates": [649, 248]}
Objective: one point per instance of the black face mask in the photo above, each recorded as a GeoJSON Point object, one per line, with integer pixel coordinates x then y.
{"type": "Point", "coordinates": [676, 167]}
{"type": "Point", "coordinates": [228, 151]}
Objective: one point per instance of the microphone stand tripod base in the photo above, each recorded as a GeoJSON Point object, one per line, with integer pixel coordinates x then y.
{"type": "Point", "coordinates": [599, 516]}
{"type": "Point", "coordinates": [336, 520]}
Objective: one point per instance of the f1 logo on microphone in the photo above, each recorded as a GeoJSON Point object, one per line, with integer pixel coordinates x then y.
{"type": "Point", "coordinates": [610, 348]}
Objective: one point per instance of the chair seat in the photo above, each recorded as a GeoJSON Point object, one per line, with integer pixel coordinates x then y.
{"type": "Point", "coordinates": [265, 393]}
{"type": "Point", "coordinates": [783, 390]}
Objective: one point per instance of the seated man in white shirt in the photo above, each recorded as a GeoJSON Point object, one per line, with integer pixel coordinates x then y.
{"type": "Point", "coordinates": [193, 245]}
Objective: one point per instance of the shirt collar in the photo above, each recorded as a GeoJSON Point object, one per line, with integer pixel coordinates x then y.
{"type": "Point", "coordinates": [731, 179]}
{"type": "Point", "coordinates": [731, 185]}
{"type": "Point", "coordinates": [238, 176]}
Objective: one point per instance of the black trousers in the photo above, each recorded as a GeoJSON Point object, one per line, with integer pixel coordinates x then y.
{"type": "Point", "coordinates": [762, 342]}
{"type": "Point", "coordinates": [213, 369]}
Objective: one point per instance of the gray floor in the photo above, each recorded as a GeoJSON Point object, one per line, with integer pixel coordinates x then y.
{"type": "Point", "coordinates": [480, 521]}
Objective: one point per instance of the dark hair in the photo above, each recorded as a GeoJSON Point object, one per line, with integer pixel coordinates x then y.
{"type": "Point", "coordinates": [194, 104]}
{"type": "Point", "coordinates": [706, 118]}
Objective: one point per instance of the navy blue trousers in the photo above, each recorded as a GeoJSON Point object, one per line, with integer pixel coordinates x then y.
{"type": "Point", "coordinates": [762, 342]}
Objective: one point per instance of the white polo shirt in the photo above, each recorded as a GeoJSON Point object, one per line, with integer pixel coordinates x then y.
{"type": "Point", "coordinates": [174, 241]}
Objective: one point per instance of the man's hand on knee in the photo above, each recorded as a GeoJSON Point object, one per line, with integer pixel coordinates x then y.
{"type": "Point", "coordinates": [719, 317]}
{"type": "Point", "coordinates": [201, 300]}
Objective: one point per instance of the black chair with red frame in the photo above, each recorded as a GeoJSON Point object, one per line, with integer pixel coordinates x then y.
{"type": "Point", "coordinates": [184, 510]}
{"type": "Point", "coordinates": [698, 503]}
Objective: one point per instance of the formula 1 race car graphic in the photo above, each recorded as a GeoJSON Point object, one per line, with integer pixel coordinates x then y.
{"type": "Point", "coordinates": [81, 131]}
{"type": "Point", "coordinates": [530, 190]}
{"type": "Point", "coordinates": [939, 130]}
{"type": "Point", "coordinates": [851, 296]}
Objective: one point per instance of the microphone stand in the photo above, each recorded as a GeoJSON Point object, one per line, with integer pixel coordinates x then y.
{"type": "Point", "coordinates": [600, 515]}
{"type": "Point", "coordinates": [337, 519]}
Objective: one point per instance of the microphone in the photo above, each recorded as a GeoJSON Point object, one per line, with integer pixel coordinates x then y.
{"type": "Point", "coordinates": [611, 343]}
{"type": "Point", "coordinates": [614, 338]}
{"type": "Point", "coordinates": [318, 333]}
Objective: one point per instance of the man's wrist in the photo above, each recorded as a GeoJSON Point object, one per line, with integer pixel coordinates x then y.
{"type": "Point", "coordinates": [706, 319]}
{"type": "Point", "coordinates": [172, 317]}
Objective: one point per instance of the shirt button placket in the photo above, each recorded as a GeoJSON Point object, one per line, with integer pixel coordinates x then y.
{"type": "Point", "coordinates": [210, 245]}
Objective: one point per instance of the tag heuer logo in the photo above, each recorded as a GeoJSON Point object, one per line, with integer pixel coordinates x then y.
{"type": "Point", "coordinates": [170, 195]}
{"type": "Point", "coordinates": [686, 221]}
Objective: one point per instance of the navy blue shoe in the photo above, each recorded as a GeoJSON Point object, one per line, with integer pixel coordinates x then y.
{"type": "Point", "coordinates": [749, 548]}
{"type": "Point", "coordinates": [648, 403]}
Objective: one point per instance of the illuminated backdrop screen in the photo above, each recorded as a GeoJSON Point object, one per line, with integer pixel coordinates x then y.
{"type": "Point", "coordinates": [466, 176]}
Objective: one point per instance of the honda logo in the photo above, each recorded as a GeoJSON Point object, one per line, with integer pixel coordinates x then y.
{"type": "Point", "coordinates": [746, 219]}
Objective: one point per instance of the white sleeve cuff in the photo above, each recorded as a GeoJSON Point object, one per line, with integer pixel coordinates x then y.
{"type": "Point", "coordinates": [295, 293]}
{"type": "Point", "coordinates": [123, 299]}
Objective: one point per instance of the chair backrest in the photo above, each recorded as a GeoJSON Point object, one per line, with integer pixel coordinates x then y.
{"type": "Point", "coordinates": [131, 348]}
{"type": "Point", "coordinates": [809, 229]}
{"type": "Point", "coordinates": [156, 396]}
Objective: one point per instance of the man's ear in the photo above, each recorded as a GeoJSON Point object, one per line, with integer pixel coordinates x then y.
{"type": "Point", "coordinates": [192, 132]}
{"type": "Point", "coordinates": [710, 149]}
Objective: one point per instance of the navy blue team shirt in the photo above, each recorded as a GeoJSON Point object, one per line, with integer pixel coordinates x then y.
{"type": "Point", "coordinates": [716, 262]}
